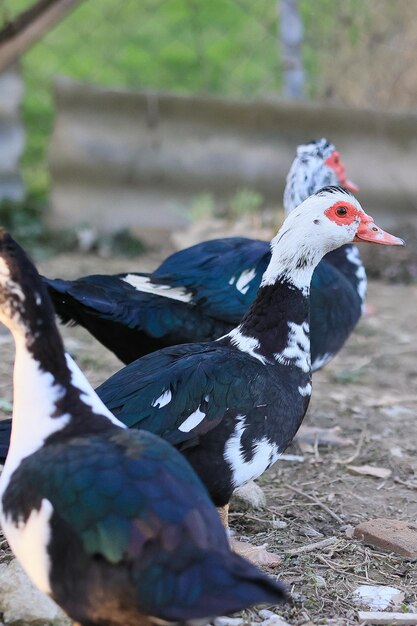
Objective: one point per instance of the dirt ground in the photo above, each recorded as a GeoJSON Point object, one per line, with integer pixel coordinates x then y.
{"type": "Point", "coordinates": [369, 391]}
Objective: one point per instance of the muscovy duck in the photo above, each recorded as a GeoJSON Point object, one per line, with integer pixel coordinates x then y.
{"type": "Point", "coordinates": [202, 292]}
{"type": "Point", "coordinates": [113, 524]}
{"type": "Point", "coordinates": [233, 405]}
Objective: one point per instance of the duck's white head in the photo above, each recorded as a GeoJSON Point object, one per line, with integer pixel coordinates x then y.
{"type": "Point", "coordinates": [317, 164]}
{"type": "Point", "coordinates": [325, 221]}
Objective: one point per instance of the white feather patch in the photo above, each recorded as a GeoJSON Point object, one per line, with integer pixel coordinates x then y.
{"type": "Point", "coordinates": [29, 541]}
{"type": "Point", "coordinates": [321, 361]}
{"type": "Point", "coordinates": [88, 395]}
{"type": "Point", "coordinates": [352, 255]}
{"type": "Point", "coordinates": [265, 453]}
{"type": "Point", "coordinates": [244, 280]}
{"type": "Point", "coordinates": [35, 398]}
{"type": "Point", "coordinates": [250, 345]}
{"type": "Point", "coordinates": [192, 421]}
{"type": "Point", "coordinates": [305, 391]}
{"type": "Point", "coordinates": [143, 283]}
{"type": "Point", "coordinates": [297, 351]}
{"type": "Point", "coordinates": [163, 399]}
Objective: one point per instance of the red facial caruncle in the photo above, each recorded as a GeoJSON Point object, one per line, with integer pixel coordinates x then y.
{"type": "Point", "coordinates": [336, 164]}
{"type": "Point", "coordinates": [345, 213]}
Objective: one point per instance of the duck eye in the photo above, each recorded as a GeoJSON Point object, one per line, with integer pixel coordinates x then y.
{"type": "Point", "coordinates": [342, 211]}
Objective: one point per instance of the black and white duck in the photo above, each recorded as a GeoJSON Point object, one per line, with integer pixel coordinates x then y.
{"type": "Point", "coordinates": [233, 405]}
{"type": "Point", "coordinates": [113, 524]}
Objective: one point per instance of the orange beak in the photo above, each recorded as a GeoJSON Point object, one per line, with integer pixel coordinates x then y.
{"type": "Point", "coordinates": [369, 231]}
{"type": "Point", "coordinates": [336, 164]}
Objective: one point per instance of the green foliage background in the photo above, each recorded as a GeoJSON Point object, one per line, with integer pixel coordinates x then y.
{"type": "Point", "coordinates": [227, 47]}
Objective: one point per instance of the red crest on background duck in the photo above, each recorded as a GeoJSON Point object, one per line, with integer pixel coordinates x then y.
{"type": "Point", "coordinates": [335, 163]}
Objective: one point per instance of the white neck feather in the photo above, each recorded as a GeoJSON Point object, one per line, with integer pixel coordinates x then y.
{"type": "Point", "coordinates": [88, 395]}
{"type": "Point", "coordinates": [34, 401]}
{"type": "Point", "coordinates": [292, 260]}
{"type": "Point", "coordinates": [35, 395]}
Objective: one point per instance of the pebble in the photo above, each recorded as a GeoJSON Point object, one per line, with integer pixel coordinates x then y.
{"type": "Point", "coordinates": [251, 494]}
{"type": "Point", "coordinates": [268, 619]}
{"type": "Point", "coordinates": [271, 619]}
{"type": "Point", "coordinates": [21, 602]}
{"type": "Point", "coordinates": [228, 621]}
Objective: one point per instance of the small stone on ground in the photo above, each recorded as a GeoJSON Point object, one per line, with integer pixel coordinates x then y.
{"type": "Point", "coordinates": [250, 494]}
{"type": "Point", "coordinates": [21, 602]}
{"type": "Point", "coordinates": [392, 535]}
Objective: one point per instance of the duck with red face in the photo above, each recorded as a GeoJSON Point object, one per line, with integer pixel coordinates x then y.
{"type": "Point", "coordinates": [202, 292]}
{"type": "Point", "coordinates": [233, 405]}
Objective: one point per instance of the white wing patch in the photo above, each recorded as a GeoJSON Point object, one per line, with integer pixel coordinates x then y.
{"type": "Point", "coordinates": [143, 283]}
{"type": "Point", "coordinates": [192, 421]}
{"type": "Point", "coordinates": [163, 399]}
{"type": "Point", "coordinates": [245, 344]}
{"type": "Point", "coordinates": [265, 453]}
{"type": "Point", "coordinates": [305, 391]}
{"type": "Point", "coordinates": [321, 361]}
{"type": "Point", "coordinates": [297, 351]}
{"type": "Point", "coordinates": [244, 280]}
{"type": "Point", "coordinates": [29, 541]}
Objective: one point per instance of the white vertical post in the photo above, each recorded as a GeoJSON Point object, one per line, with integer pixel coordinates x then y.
{"type": "Point", "coordinates": [291, 39]}
{"type": "Point", "coordinates": [12, 134]}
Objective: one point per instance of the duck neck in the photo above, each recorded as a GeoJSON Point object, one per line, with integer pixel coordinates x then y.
{"type": "Point", "coordinates": [51, 396]}
{"type": "Point", "coordinates": [276, 327]}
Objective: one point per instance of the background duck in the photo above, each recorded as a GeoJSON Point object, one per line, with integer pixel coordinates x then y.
{"type": "Point", "coordinates": [112, 524]}
{"type": "Point", "coordinates": [202, 292]}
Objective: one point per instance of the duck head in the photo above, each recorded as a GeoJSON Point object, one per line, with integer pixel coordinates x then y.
{"type": "Point", "coordinates": [334, 217]}
{"type": "Point", "coordinates": [317, 164]}
{"type": "Point", "coordinates": [25, 307]}
{"type": "Point", "coordinates": [325, 221]}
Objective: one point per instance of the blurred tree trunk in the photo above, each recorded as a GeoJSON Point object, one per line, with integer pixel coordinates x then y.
{"type": "Point", "coordinates": [291, 40]}
{"type": "Point", "coordinates": [29, 26]}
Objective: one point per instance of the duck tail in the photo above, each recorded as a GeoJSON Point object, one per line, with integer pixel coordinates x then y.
{"type": "Point", "coordinates": [220, 584]}
{"type": "Point", "coordinates": [244, 585]}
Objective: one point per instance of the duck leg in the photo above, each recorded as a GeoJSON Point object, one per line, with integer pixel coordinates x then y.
{"type": "Point", "coordinates": [258, 555]}
{"type": "Point", "coordinates": [223, 512]}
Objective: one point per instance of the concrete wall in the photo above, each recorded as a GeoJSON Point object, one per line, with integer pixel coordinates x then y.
{"type": "Point", "coordinates": [138, 158]}
{"type": "Point", "coordinates": [12, 136]}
